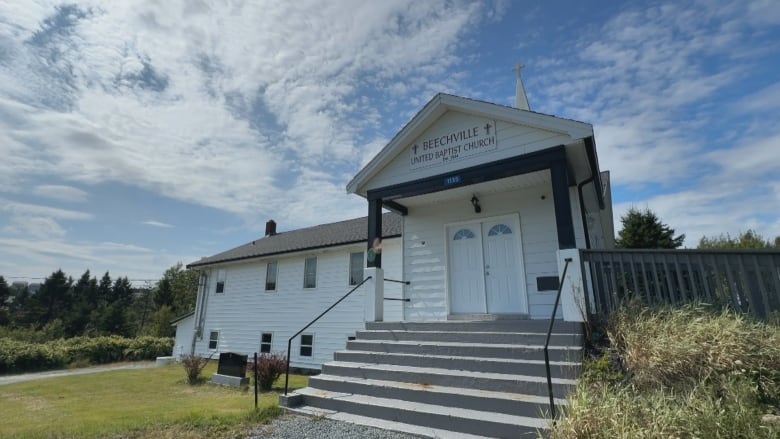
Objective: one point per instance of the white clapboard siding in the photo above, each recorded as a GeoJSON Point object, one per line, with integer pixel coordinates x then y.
{"type": "Point", "coordinates": [245, 310]}
{"type": "Point", "coordinates": [185, 329]}
{"type": "Point", "coordinates": [425, 252]}
{"type": "Point", "coordinates": [512, 140]}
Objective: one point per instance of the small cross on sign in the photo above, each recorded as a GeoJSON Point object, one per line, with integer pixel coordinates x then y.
{"type": "Point", "coordinates": [487, 128]}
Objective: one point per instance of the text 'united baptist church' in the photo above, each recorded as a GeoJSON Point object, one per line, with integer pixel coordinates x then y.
{"type": "Point", "coordinates": [432, 150]}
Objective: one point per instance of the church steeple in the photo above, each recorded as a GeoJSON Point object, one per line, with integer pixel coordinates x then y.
{"type": "Point", "coordinates": [521, 100]}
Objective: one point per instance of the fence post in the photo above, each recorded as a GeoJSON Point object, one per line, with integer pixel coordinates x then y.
{"type": "Point", "coordinates": [572, 293]}
{"type": "Point", "coordinates": [255, 373]}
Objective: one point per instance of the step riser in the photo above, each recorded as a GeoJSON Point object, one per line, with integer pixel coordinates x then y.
{"type": "Point", "coordinates": [473, 337]}
{"type": "Point", "coordinates": [475, 365]}
{"type": "Point", "coordinates": [482, 351]}
{"type": "Point", "coordinates": [469, 426]}
{"type": "Point", "coordinates": [484, 403]}
{"type": "Point", "coordinates": [539, 326]}
{"type": "Point", "coordinates": [472, 382]}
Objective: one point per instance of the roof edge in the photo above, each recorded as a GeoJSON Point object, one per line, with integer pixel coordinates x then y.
{"type": "Point", "coordinates": [286, 252]}
{"type": "Point", "coordinates": [440, 104]}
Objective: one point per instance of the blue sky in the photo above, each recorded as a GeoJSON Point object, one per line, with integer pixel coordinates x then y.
{"type": "Point", "coordinates": [135, 134]}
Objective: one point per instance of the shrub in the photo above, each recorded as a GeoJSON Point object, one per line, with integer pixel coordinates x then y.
{"type": "Point", "coordinates": [16, 356]}
{"type": "Point", "coordinates": [148, 348]}
{"type": "Point", "coordinates": [193, 366]}
{"type": "Point", "coordinates": [269, 368]}
{"type": "Point", "coordinates": [20, 356]}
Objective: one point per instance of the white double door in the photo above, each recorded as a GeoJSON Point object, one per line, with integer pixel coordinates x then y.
{"type": "Point", "coordinates": [485, 267]}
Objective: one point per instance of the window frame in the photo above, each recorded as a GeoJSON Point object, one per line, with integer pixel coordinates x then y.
{"type": "Point", "coordinates": [310, 346]}
{"type": "Point", "coordinates": [213, 340]}
{"type": "Point", "coordinates": [305, 265]}
{"type": "Point", "coordinates": [269, 343]}
{"type": "Point", "coordinates": [221, 281]}
{"type": "Point", "coordinates": [275, 264]}
{"type": "Point", "coordinates": [356, 281]}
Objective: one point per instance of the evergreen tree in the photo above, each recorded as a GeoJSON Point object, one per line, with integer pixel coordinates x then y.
{"type": "Point", "coordinates": [163, 294]}
{"type": "Point", "coordinates": [748, 240]}
{"type": "Point", "coordinates": [51, 301]}
{"type": "Point", "coordinates": [19, 308]}
{"type": "Point", "coordinates": [643, 229]}
{"type": "Point", "coordinates": [114, 319]}
{"type": "Point", "coordinates": [83, 304]}
{"type": "Point", "coordinates": [99, 318]}
{"type": "Point", "coordinates": [141, 311]}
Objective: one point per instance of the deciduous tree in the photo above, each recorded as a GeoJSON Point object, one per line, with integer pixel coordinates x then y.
{"type": "Point", "coordinates": [747, 240]}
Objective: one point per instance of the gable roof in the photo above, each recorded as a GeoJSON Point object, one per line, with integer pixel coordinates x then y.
{"type": "Point", "coordinates": [310, 238]}
{"type": "Point", "coordinates": [440, 104]}
{"type": "Point", "coordinates": [176, 320]}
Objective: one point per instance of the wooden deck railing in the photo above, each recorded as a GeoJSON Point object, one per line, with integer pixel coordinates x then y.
{"type": "Point", "coordinates": [746, 281]}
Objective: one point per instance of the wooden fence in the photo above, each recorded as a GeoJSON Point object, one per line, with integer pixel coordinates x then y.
{"type": "Point", "coordinates": [747, 281]}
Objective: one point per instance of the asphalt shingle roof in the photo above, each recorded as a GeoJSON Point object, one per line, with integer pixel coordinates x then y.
{"type": "Point", "coordinates": [324, 235]}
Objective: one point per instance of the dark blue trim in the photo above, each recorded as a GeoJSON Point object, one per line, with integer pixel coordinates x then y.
{"type": "Point", "coordinates": [535, 161]}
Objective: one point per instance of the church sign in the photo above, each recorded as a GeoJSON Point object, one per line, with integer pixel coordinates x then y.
{"type": "Point", "coordinates": [453, 144]}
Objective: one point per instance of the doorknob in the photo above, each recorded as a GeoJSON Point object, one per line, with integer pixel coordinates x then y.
{"type": "Point", "coordinates": [487, 273]}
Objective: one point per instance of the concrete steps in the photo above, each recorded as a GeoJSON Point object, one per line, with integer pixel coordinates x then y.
{"type": "Point", "coordinates": [459, 379]}
{"type": "Point", "coordinates": [559, 369]}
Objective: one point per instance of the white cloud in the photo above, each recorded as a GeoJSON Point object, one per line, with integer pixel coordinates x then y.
{"type": "Point", "coordinates": [658, 85]}
{"type": "Point", "coordinates": [766, 99]}
{"type": "Point", "coordinates": [157, 224]}
{"type": "Point", "coordinates": [60, 193]}
{"type": "Point", "coordinates": [36, 227]}
{"type": "Point", "coordinates": [215, 104]}
{"type": "Point", "coordinates": [26, 209]}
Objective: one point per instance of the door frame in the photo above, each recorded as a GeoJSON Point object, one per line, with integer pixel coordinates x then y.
{"type": "Point", "coordinates": [520, 258]}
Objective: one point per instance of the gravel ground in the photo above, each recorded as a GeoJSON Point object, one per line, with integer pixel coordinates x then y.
{"type": "Point", "coordinates": [305, 427]}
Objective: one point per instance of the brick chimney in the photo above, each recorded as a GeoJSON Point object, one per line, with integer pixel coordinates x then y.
{"type": "Point", "coordinates": [270, 228]}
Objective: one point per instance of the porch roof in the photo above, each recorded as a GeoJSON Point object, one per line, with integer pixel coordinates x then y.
{"type": "Point", "coordinates": [581, 148]}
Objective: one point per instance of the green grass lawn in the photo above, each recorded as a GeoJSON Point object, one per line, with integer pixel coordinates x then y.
{"type": "Point", "coordinates": [132, 404]}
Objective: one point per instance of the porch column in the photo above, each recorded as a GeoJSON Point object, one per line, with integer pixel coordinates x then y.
{"type": "Point", "coordinates": [373, 307]}
{"type": "Point", "coordinates": [573, 304]}
{"type": "Point", "coordinates": [559, 174]}
{"type": "Point", "coordinates": [374, 231]}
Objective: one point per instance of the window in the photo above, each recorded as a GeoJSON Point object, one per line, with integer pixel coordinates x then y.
{"type": "Point", "coordinates": [310, 273]}
{"type": "Point", "coordinates": [213, 339]}
{"type": "Point", "coordinates": [307, 345]}
{"type": "Point", "coordinates": [463, 234]}
{"type": "Point", "coordinates": [270, 276]}
{"type": "Point", "coordinates": [355, 268]}
{"type": "Point", "coordinates": [221, 275]}
{"type": "Point", "coordinates": [500, 229]}
{"type": "Point", "coordinates": [265, 342]}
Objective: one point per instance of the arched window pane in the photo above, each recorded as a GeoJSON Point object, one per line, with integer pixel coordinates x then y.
{"type": "Point", "coordinates": [500, 229]}
{"type": "Point", "coordinates": [463, 234]}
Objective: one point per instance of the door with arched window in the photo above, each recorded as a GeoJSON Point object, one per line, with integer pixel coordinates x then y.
{"type": "Point", "coordinates": [486, 267]}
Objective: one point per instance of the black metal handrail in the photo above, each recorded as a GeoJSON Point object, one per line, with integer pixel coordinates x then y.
{"type": "Point", "coordinates": [547, 343]}
{"type": "Point", "coordinates": [405, 282]}
{"type": "Point", "coordinates": [289, 341]}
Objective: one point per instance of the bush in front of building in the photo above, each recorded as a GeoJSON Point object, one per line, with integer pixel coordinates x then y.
{"type": "Point", "coordinates": [193, 367]}
{"type": "Point", "coordinates": [269, 368]}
